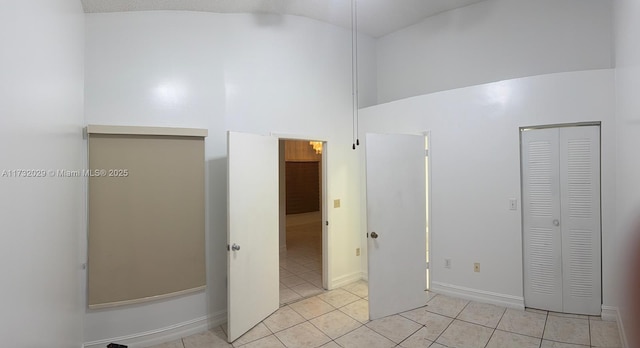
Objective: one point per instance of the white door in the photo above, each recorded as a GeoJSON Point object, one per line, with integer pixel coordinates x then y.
{"type": "Point", "coordinates": [396, 222]}
{"type": "Point", "coordinates": [580, 219]}
{"type": "Point", "coordinates": [561, 219]}
{"type": "Point", "coordinates": [541, 207]}
{"type": "Point", "coordinates": [252, 231]}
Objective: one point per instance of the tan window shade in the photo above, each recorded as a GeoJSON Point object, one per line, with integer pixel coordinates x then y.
{"type": "Point", "coordinates": [146, 216]}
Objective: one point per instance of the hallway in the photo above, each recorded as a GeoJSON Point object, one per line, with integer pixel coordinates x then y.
{"type": "Point", "coordinates": [301, 263]}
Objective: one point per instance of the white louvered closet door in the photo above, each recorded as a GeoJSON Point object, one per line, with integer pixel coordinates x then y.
{"type": "Point", "coordinates": [580, 193]}
{"type": "Point", "coordinates": [561, 219]}
{"type": "Point", "coordinates": [541, 206]}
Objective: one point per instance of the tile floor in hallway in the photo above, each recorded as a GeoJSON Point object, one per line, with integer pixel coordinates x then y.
{"type": "Point", "coordinates": [301, 263]}
{"type": "Point", "coordinates": [339, 318]}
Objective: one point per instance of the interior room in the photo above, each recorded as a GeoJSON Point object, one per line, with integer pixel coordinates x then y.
{"type": "Point", "coordinates": [485, 81]}
{"type": "Point", "coordinates": [301, 249]}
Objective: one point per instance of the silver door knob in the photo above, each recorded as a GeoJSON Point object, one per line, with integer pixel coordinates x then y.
{"type": "Point", "coordinates": [235, 247]}
{"type": "Point", "coordinates": [556, 222]}
{"type": "Point", "coordinates": [374, 235]}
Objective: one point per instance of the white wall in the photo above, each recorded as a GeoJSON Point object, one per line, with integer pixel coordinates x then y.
{"type": "Point", "coordinates": [251, 73]}
{"type": "Point", "coordinates": [475, 170]}
{"type": "Point", "coordinates": [627, 53]}
{"type": "Point", "coordinates": [494, 40]}
{"type": "Point", "coordinates": [41, 119]}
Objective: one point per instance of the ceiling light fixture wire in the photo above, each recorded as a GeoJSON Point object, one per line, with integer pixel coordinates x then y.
{"type": "Point", "coordinates": [355, 118]}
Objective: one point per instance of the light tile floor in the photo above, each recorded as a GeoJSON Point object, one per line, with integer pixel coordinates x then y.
{"type": "Point", "coordinates": [301, 263]}
{"type": "Point", "coordinates": [339, 318]}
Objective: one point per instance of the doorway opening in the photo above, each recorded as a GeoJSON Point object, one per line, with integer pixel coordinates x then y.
{"type": "Point", "coordinates": [302, 271]}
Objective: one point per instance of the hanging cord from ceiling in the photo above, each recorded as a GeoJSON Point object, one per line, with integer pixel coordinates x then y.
{"type": "Point", "coordinates": [354, 74]}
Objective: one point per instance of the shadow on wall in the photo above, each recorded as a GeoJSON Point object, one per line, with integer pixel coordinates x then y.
{"type": "Point", "coordinates": [268, 19]}
{"type": "Point", "coordinates": [216, 234]}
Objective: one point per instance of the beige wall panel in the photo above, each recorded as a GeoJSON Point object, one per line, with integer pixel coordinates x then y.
{"type": "Point", "coordinates": [146, 229]}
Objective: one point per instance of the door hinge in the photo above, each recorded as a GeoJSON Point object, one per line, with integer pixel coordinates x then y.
{"type": "Point", "coordinates": [427, 264]}
{"type": "Point", "coordinates": [326, 223]}
{"type": "Point", "coordinates": [426, 153]}
{"type": "Point", "coordinates": [367, 234]}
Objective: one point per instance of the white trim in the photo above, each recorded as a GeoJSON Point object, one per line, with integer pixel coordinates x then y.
{"type": "Point", "coordinates": [135, 130]}
{"type": "Point", "coordinates": [623, 334]}
{"type": "Point", "coordinates": [345, 279]}
{"type": "Point", "coordinates": [611, 313]}
{"type": "Point", "coordinates": [365, 276]}
{"type": "Point", "coordinates": [165, 334]}
{"type": "Point", "coordinates": [509, 301]}
{"type": "Point", "coordinates": [428, 154]}
{"type": "Point", "coordinates": [147, 299]}
{"type": "Point", "coordinates": [290, 136]}
{"type": "Point", "coordinates": [327, 258]}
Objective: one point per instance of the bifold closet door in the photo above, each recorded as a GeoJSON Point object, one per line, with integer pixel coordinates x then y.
{"type": "Point", "coordinates": [580, 206]}
{"type": "Point", "coordinates": [541, 207]}
{"type": "Point", "coordinates": [561, 219]}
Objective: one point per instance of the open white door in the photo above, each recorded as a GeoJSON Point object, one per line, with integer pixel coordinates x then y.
{"type": "Point", "coordinates": [396, 222]}
{"type": "Point", "coordinates": [252, 231]}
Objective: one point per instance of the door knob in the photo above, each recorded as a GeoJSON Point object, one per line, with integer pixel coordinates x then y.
{"type": "Point", "coordinates": [556, 222]}
{"type": "Point", "coordinates": [374, 235]}
{"type": "Point", "coordinates": [235, 247]}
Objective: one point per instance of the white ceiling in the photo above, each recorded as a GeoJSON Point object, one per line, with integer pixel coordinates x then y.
{"type": "Point", "coordinates": [375, 17]}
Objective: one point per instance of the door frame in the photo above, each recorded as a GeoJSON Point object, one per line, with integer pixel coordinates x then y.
{"type": "Point", "coordinates": [326, 238]}
{"type": "Point", "coordinates": [427, 135]}
{"type": "Point", "coordinates": [521, 130]}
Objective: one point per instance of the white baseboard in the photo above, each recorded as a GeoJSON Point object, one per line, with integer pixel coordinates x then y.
{"type": "Point", "coordinates": [365, 276]}
{"type": "Point", "coordinates": [165, 334]}
{"type": "Point", "coordinates": [494, 298]}
{"type": "Point", "coordinates": [623, 333]}
{"type": "Point", "coordinates": [345, 279]}
{"type": "Point", "coordinates": [613, 314]}
{"type": "Point", "coordinates": [609, 313]}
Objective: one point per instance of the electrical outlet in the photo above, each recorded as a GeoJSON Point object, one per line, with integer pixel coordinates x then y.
{"type": "Point", "coordinates": [357, 251]}
{"type": "Point", "coordinates": [476, 267]}
{"type": "Point", "coordinates": [447, 263]}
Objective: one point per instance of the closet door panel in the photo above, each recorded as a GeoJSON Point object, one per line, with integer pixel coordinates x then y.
{"type": "Point", "coordinates": [541, 208]}
{"type": "Point", "coordinates": [580, 222]}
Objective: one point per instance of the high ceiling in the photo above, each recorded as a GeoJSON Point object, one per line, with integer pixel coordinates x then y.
{"type": "Point", "coordinates": [375, 17]}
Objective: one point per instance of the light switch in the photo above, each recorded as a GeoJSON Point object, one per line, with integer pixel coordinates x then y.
{"type": "Point", "coordinates": [336, 203]}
